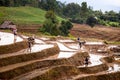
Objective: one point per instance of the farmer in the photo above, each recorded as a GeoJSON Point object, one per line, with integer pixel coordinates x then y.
{"type": "Point", "coordinates": [80, 44]}
{"type": "Point", "coordinates": [86, 61]}
{"type": "Point", "coordinates": [14, 30]}
{"type": "Point", "coordinates": [30, 43]}
{"type": "Point", "coordinates": [78, 39]}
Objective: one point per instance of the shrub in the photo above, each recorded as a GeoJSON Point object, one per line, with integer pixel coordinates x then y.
{"type": "Point", "coordinates": [50, 24]}
{"type": "Point", "coordinates": [91, 21]}
{"type": "Point", "coordinates": [65, 27]}
{"type": "Point", "coordinates": [114, 24]}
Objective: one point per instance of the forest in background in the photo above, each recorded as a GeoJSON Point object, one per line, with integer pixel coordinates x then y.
{"type": "Point", "coordinates": [74, 12]}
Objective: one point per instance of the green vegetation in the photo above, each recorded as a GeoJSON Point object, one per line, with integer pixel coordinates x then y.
{"type": "Point", "coordinates": [17, 3]}
{"type": "Point", "coordinates": [74, 12]}
{"type": "Point", "coordinates": [65, 27]}
{"type": "Point", "coordinates": [23, 15]}
{"type": "Point", "coordinates": [2, 14]}
{"type": "Point", "coordinates": [51, 25]}
{"type": "Point", "coordinates": [91, 21]}
{"type": "Point", "coordinates": [81, 14]}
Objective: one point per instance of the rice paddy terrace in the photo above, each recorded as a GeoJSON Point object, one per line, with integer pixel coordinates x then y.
{"type": "Point", "coordinates": [58, 59]}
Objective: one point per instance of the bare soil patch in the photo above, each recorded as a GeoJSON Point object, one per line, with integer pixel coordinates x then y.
{"type": "Point", "coordinates": [97, 32]}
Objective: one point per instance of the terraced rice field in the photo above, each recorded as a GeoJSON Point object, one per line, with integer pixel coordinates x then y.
{"type": "Point", "coordinates": [56, 60]}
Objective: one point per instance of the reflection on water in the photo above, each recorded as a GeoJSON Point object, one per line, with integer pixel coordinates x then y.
{"type": "Point", "coordinates": [63, 48]}
{"type": "Point", "coordinates": [114, 68]}
{"type": "Point", "coordinates": [95, 59]}
{"type": "Point", "coordinates": [65, 54]}
{"type": "Point", "coordinates": [117, 58]}
{"type": "Point", "coordinates": [8, 38]}
{"type": "Point", "coordinates": [37, 48]}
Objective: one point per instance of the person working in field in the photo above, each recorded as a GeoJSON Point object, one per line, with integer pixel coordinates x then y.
{"type": "Point", "coordinates": [80, 44]}
{"type": "Point", "coordinates": [86, 61]}
{"type": "Point", "coordinates": [14, 30]}
{"type": "Point", "coordinates": [30, 43]}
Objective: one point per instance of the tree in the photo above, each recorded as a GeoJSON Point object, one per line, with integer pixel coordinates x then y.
{"type": "Point", "coordinates": [59, 8]}
{"type": "Point", "coordinates": [53, 5]}
{"type": "Point", "coordinates": [50, 24]}
{"type": "Point", "coordinates": [71, 10]}
{"type": "Point", "coordinates": [4, 3]}
{"type": "Point", "coordinates": [48, 4]}
{"type": "Point", "coordinates": [51, 15]}
{"type": "Point", "coordinates": [14, 3]}
{"type": "Point", "coordinates": [84, 7]}
{"type": "Point", "coordinates": [65, 27]}
{"type": "Point", "coordinates": [98, 13]}
{"type": "Point", "coordinates": [84, 12]}
{"type": "Point", "coordinates": [1, 2]}
{"type": "Point", "coordinates": [91, 21]}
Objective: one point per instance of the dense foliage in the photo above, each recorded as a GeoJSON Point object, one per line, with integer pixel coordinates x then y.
{"type": "Point", "coordinates": [91, 21]}
{"type": "Point", "coordinates": [51, 25]}
{"type": "Point", "coordinates": [65, 27]}
{"type": "Point", "coordinates": [16, 3]}
{"type": "Point", "coordinates": [72, 11]}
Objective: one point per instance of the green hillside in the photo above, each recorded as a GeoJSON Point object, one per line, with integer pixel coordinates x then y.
{"type": "Point", "coordinates": [23, 15]}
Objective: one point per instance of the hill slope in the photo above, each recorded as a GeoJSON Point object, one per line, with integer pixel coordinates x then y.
{"type": "Point", "coordinates": [24, 15]}
{"type": "Point", "coordinates": [98, 32]}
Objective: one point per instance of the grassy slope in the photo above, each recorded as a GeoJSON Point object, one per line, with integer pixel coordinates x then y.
{"type": "Point", "coordinates": [24, 15]}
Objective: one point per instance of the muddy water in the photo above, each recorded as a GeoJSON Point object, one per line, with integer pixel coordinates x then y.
{"type": "Point", "coordinates": [65, 41]}
{"type": "Point", "coordinates": [39, 45]}
{"type": "Point", "coordinates": [39, 41]}
{"type": "Point", "coordinates": [94, 43]}
{"type": "Point", "coordinates": [64, 51]}
{"type": "Point", "coordinates": [114, 68]}
{"type": "Point", "coordinates": [8, 38]}
{"type": "Point", "coordinates": [95, 59]}
{"type": "Point", "coordinates": [37, 48]}
{"type": "Point", "coordinates": [63, 48]}
{"type": "Point", "coordinates": [65, 54]}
